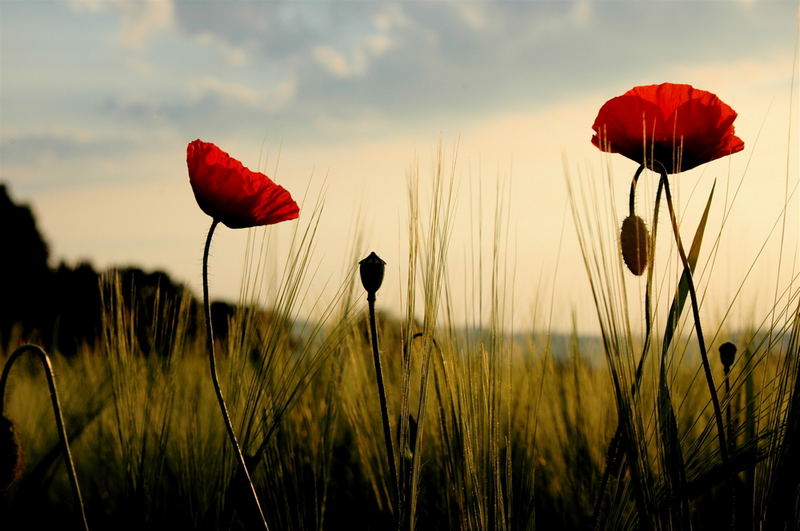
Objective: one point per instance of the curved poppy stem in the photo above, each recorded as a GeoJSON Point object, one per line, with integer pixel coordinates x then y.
{"type": "Point", "coordinates": [44, 359]}
{"type": "Point", "coordinates": [614, 453]}
{"type": "Point", "coordinates": [632, 194]}
{"type": "Point", "coordinates": [215, 378]}
{"type": "Point", "coordinates": [723, 446]}
{"type": "Point", "coordinates": [648, 296]}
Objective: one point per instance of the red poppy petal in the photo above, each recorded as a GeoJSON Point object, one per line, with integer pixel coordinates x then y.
{"type": "Point", "coordinates": [228, 191]}
{"type": "Point", "coordinates": [278, 206]}
{"type": "Point", "coordinates": [623, 124]}
{"type": "Point", "coordinates": [683, 126]}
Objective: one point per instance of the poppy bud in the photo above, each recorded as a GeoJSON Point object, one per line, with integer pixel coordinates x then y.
{"type": "Point", "coordinates": [372, 272]}
{"type": "Point", "coordinates": [10, 455]}
{"type": "Point", "coordinates": [634, 240]}
{"type": "Point", "coordinates": [726, 353]}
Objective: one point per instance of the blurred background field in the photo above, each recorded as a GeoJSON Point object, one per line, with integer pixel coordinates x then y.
{"type": "Point", "coordinates": [514, 429]}
{"type": "Point", "coordinates": [487, 309]}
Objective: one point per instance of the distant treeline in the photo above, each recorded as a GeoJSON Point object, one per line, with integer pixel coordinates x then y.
{"type": "Point", "coordinates": [61, 308]}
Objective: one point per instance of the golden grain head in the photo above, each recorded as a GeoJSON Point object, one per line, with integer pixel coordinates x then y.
{"type": "Point", "coordinates": [10, 454]}
{"type": "Point", "coordinates": [634, 241]}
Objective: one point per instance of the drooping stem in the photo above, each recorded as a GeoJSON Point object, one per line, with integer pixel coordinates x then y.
{"type": "Point", "coordinates": [215, 378]}
{"type": "Point", "coordinates": [614, 453]}
{"type": "Point", "coordinates": [42, 356]}
{"type": "Point", "coordinates": [648, 314]}
{"type": "Point", "coordinates": [632, 193]}
{"type": "Point", "coordinates": [387, 430]}
{"type": "Point", "coordinates": [723, 447]}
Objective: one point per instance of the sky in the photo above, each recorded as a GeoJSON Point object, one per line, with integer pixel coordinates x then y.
{"type": "Point", "coordinates": [345, 100]}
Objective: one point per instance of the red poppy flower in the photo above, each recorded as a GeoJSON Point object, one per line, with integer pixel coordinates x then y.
{"type": "Point", "coordinates": [232, 194]}
{"type": "Point", "coordinates": [677, 125]}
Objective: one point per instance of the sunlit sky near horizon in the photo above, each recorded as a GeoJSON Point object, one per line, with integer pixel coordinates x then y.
{"type": "Point", "coordinates": [98, 99]}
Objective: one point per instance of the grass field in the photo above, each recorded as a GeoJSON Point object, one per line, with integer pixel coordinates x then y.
{"type": "Point", "coordinates": [491, 430]}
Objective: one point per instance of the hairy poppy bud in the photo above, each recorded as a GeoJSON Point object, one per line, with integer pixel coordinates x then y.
{"type": "Point", "coordinates": [634, 240]}
{"type": "Point", "coordinates": [10, 455]}
{"type": "Point", "coordinates": [372, 272]}
{"type": "Point", "coordinates": [726, 353]}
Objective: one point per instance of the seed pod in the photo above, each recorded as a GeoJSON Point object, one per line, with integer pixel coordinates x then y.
{"type": "Point", "coordinates": [372, 268]}
{"type": "Point", "coordinates": [727, 351]}
{"type": "Point", "coordinates": [10, 454]}
{"type": "Point", "coordinates": [635, 244]}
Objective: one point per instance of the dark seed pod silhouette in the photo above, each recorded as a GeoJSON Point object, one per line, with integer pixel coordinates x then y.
{"type": "Point", "coordinates": [372, 268]}
{"type": "Point", "coordinates": [10, 455]}
{"type": "Point", "coordinates": [634, 241]}
{"type": "Point", "coordinates": [727, 352]}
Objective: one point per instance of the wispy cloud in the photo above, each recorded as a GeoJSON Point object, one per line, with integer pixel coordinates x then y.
{"type": "Point", "coordinates": [99, 97]}
{"type": "Point", "coordinates": [357, 61]}
{"type": "Point", "coordinates": [30, 148]}
{"type": "Point", "coordinates": [268, 98]}
{"type": "Point", "coordinates": [410, 61]}
{"type": "Point", "coordinates": [139, 19]}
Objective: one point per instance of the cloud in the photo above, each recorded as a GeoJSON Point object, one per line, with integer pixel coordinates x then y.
{"type": "Point", "coordinates": [139, 18]}
{"type": "Point", "coordinates": [357, 61]}
{"type": "Point", "coordinates": [333, 61]}
{"type": "Point", "coordinates": [203, 86]}
{"type": "Point", "coordinates": [269, 100]}
{"type": "Point", "coordinates": [377, 44]}
{"type": "Point", "coordinates": [424, 57]}
{"type": "Point", "coordinates": [389, 67]}
{"type": "Point", "coordinates": [44, 161]}
{"type": "Point", "coordinates": [472, 15]}
{"type": "Point", "coordinates": [32, 147]}
{"type": "Point", "coordinates": [421, 60]}
{"type": "Point", "coordinates": [89, 6]}
{"type": "Point", "coordinates": [390, 16]}
{"type": "Point", "coordinates": [760, 73]}
{"type": "Point", "coordinates": [581, 12]}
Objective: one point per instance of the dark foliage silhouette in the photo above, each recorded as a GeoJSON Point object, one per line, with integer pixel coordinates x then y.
{"type": "Point", "coordinates": [24, 273]}
{"type": "Point", "coordinates": [62, 308]}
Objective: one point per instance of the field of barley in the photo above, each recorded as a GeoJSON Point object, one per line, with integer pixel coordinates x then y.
{"type": "Point", "coordinates": [483, 427]}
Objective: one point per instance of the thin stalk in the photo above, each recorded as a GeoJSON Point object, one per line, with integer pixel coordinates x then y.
{"type": "Point", "coordinates": [614, 452]}
{"type": "Point", "coordinates": [728, 420]}
{"type": "Point", "coordinates": [723, 446]}
{"type": "Point", "coordinates": [632, 193]}
{"type": "Point", "coordinates": [215, 378]}
{"type": "Point", "coordinates": [712, 388]}
{"type": "Point", "coordinates": [42, 356]}
{"type": "Point", "coordinates": [387, 431]}
{"type": "Point", "coordinates": [415, 441]}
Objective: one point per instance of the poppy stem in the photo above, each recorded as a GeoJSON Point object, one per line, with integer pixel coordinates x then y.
{"type": "Point", "coordinates": [632, 194]}
{"type": "Point", "coordinates": [387, 430]}
{"type": "Point", "coordinates": [215, 378]}
{"type": "Point", "coordinates": [614, 454]}
{"type": "Point", "coordinates": [723, 446]}
{"type": "Point", "coordinates": [648, 297]}
{"type": "Point", "coordinates": [728, 419]}
{"type": "Point", "coordinates": [42, 356]}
